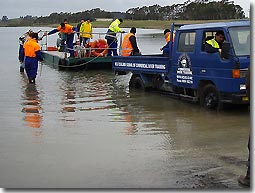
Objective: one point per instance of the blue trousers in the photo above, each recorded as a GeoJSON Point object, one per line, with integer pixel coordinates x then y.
{"type": "Point", "coordinates": [112, 47]}
{"type": "Point", "coordinates": [69, 42]}
{"type": "Point", "coordinates": [31, 66]}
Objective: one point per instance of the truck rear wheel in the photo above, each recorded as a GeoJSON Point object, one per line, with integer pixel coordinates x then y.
{"type": "Point", "coordinates": [157, 81]}
{"type": "Point", "coordinates": [136, 82]}
{"type": "Point", "coordinates": [209, 97]}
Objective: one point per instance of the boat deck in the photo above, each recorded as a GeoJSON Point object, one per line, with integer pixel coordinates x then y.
{"type": "Point", "coordinates": [58, 54]}
{"type": "Point", "coordinates": [61, 60]}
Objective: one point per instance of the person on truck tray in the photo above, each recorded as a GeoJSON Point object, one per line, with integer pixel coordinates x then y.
{"type": "Point", "coordinates": [165, 48]}
{"type": "Point", "coordinates": [214, 45]}
{"type": "Point", "coordinates": [129, 45]}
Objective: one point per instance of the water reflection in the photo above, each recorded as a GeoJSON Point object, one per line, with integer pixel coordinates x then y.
{"type": "Point", "coordinates": [69, 103]}
{"type": "Point", "coordinates": [177, 121]}
{"type": "Point", "coordinates": [32, 109]}
{"type": "Point", "coordinates": [85, 92]}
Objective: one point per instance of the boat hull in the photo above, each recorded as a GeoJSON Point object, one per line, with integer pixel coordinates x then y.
{"type": "Point", "coordinates": [61, 60]}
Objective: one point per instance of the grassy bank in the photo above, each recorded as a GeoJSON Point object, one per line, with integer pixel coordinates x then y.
{"type": "Point", "coordinates": [146, 24]}
{"type": "Point", "coordinates": [151, 24]}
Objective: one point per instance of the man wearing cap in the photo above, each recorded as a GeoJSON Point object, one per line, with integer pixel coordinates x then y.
{"type": "Point", "coordinates": [129, 45]}
{"type": "Point", "coordinates": [165, 48]}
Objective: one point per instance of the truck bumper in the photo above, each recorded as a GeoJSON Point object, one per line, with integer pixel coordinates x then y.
{"type": "Point", "coordinates": [235, 98]}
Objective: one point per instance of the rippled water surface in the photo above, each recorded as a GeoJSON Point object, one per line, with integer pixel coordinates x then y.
{"type": "Point", "coordinates": [87, 130]}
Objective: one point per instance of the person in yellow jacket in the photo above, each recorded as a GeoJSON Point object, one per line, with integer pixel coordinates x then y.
{"type": "Point", "coordinates": [86, 32]}
{"type": "Point", "coordinates": [129, 45]}
{"type": "Point", "coordinates": [214, 45]}
{"type": "Point", "coordinates": [111, 36]}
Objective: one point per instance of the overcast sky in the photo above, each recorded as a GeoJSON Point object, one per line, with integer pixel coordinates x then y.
{"type": "Point", "coordinates": [17, 8]}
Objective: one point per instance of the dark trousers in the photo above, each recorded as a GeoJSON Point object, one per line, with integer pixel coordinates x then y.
{"type": "Point", "coordinates": [69, 42]}
{"type": "Point", "coordinates": [31, 66]}
{"type": "Point", "coordinates": [112, 47]}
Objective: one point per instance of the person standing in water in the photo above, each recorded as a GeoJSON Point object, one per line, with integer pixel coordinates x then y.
{"type": "Point", "coordinates": [32, 52]}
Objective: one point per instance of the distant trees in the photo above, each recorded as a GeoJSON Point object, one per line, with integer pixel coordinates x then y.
{"type": "Point", "coordinates": [212, 11]}
{"type": "Point", "coordinates": [191, 10]}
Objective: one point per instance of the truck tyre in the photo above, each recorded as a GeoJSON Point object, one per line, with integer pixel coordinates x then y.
{"type": "Point", "coordinates": [137, 83]}
{"type": "Point", "coordinates": [131, 81]}
{"type": "Point", "coordinates": [157, 81]}
{"type": "Point", "coordinates": [209, 97]}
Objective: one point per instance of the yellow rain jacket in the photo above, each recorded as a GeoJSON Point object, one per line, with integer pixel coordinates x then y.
{"type": "Point", "coordinates": [86, 30]}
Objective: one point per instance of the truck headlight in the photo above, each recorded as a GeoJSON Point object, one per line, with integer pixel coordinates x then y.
{"type": "Point", "coordinates": [242, 87]}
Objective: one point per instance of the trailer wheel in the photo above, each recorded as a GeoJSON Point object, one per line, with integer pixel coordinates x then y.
{"type": "Point", "coordinates": [209, 97]}
{"type": "Point", "coordinates": [137, 83]}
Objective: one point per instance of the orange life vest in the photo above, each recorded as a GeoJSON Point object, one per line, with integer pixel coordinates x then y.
{"type": "Point", "coordinates": [126, 45]}
{"type": "Point", "coordinates": [31, 47]}
{"type": "Point", "coordinates": [168, 38]}
{"type": "Point", "coordinates": [68, 29]}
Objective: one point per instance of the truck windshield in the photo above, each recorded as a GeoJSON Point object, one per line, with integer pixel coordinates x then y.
{"type": "Point", "coordinates": [240, 37]}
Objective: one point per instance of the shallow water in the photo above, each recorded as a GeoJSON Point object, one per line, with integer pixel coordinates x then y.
{"type": "Point", "coordinates": [87, 130]}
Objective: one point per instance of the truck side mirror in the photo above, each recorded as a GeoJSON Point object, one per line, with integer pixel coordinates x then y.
{"type": "Point", "coordinates": [225, 50]}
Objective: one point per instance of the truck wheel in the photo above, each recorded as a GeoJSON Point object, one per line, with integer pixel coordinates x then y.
{"type": "Point", "coordinates": [137, 83]}
{"type": "Point", "coordinates": [157, 81]}
{"type": "Point", "coordinates": [131, 81]}
{"type": "Point", "coordinates": [209, 97]}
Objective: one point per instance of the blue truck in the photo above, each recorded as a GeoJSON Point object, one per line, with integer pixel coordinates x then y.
{"type": "Point", "coordinates": [189, 72]}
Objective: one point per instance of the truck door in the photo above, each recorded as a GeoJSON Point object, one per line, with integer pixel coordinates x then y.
{"type": "Point", "coordinates": [183, 57]}
{"type": "Point", "coordinates": [211, 67]}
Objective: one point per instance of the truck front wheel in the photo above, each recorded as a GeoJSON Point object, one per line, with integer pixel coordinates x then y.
{"type": "Point", "coordinates": [209, 97]}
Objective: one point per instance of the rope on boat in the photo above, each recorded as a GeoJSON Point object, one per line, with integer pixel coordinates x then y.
{"type": "Point", "coordinates": [78, 65]}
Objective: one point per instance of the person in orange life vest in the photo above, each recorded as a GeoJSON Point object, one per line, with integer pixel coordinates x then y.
{"type": "Point", "coordinates": [68, 30]}
{"type": "Point", "coordinates": [33, 54]}
{"type": "Point", "coordinates": [165, 48]}
{"type": "Point", "coordinates": [129, 45]}
{"type": "Point", "coordinates": [23, 39]}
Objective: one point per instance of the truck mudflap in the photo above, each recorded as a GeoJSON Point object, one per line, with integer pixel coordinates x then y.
{"type": "Point", "coordinates": [145, 64]}
{"type": "Point", "coordinates": [235, 98]}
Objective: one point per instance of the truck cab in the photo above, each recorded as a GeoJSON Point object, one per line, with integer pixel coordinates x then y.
{"type": "Point", "coordinates": [191, 73]}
